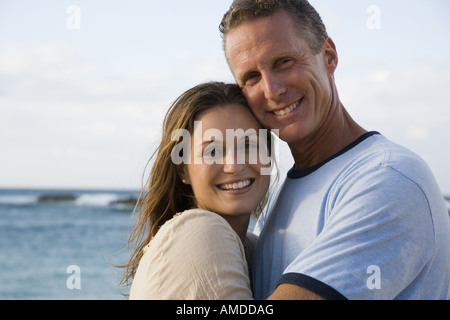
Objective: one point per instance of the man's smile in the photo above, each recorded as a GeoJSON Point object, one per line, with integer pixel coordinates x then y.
{"type": "Point", "coordinates": [287, 110]}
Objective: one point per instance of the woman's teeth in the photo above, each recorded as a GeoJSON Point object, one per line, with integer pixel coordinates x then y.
{"type": "Point", "coordinates": [235, 186]}
{"type": "Point", "coordinates": [287, 110]}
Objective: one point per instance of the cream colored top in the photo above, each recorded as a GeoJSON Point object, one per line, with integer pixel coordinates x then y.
{"type": "Point", "coordinates": [194, 256]}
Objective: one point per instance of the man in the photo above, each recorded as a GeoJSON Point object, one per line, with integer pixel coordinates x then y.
{"type": "Point", "coordinates": [357, 217]}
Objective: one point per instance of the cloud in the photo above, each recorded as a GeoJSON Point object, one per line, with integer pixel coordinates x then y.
{"type": "Point", "coordinates": [66, 120]}
{"type": "Point", "coordinates": [397, 92]}
{"type": "Point", "coordinates": [72, 116]}
{"type": "Point", "coordinates": [407, 103]}
{"type": "Point", "coordinates": [49, 72]}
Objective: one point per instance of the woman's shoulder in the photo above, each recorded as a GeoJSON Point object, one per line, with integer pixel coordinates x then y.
{"type": "Point", "coordinates": [207, 249]}
{"type": "Point", "coordinates": [197, 214]}
{"type": "Point", "coordinates": [195, 235]}
{"type": "Point", "coordinates": [197, 218]}
{"type": "Point", "coordinates": [195, 225]}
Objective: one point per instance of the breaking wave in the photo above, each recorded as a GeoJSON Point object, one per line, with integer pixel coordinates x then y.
{"type": "Point", "coordinates": [74, 198]}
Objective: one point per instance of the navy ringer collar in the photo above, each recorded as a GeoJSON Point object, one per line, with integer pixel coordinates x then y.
{"type": "Point", "coordinates": [296, 174]}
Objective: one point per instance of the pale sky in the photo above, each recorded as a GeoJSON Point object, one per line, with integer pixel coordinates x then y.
{"type": "Point", "coordinates": [83, 89]}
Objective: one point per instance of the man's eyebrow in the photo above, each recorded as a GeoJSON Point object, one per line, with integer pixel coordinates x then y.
{"type": "Point", "coordinates": [243, 76]}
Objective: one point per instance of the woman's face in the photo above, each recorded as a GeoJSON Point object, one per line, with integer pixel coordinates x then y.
{"type": "Point", "coordinates": [223, 170]}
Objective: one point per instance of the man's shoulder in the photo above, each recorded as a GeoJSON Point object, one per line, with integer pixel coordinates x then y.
{"type": "Point", "coordinates": [406, 162]}
{"type": "Point", "coordinates": [378, 152]}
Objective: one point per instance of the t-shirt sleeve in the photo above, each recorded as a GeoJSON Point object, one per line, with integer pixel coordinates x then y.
{"type": "Point", "coordinates": [199, 257]}
{"type": "Point", "coordinates": [376, 240]}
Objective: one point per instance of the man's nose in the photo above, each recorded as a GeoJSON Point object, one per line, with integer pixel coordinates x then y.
{"type": "Point", "coordinates": [274, 86]}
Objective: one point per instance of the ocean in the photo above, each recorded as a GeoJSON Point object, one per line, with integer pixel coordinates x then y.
{"type": "Point", "coordinates": [62, 244]}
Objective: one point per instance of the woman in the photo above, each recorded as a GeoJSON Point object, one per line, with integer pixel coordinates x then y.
{"type": "Point", "coordinates": [191, 230]}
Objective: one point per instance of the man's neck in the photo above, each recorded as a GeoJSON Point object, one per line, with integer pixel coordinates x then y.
{"type": "Point", "coordinates": [331, 138]}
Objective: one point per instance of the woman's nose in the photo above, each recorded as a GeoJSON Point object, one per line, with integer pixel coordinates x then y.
{"type": "Point", "coordinates": [233, 163]}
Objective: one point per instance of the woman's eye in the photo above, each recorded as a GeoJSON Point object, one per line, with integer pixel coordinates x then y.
{"type": "Point", "coordinates": [248, 146]}
{"type": "Point", "coordinates": [251, 146]}
{"type": "Point", "coordinates": [211, 152]}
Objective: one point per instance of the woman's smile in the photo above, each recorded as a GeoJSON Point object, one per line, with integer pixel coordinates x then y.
{"type": "Point", "coordinates": [242, 185]}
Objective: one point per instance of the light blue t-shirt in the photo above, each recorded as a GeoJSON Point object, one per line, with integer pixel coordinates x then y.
{"type": "Point", "coordinates": [368, 223]}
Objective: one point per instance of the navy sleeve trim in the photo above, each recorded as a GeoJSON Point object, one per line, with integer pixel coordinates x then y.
{"type": "Point", "coordinates": [314, 285]}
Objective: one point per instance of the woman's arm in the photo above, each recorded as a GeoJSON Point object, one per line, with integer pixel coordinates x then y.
{"type": "Point", "coordinates": [196, 255]}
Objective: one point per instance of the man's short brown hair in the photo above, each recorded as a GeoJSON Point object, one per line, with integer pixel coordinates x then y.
{"type": "Point", "coordinates": [306, 18]}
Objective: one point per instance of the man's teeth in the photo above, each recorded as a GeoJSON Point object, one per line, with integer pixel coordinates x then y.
{"type": "Point", "coordinates": [287, 110]}
{"type": "Point", "coordinates": [235, 186]}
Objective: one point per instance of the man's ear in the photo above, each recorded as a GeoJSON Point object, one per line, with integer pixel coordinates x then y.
{"type": "Point", "coordinates": [330, 55]}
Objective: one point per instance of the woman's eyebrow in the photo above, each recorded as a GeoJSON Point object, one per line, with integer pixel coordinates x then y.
{"type": "Point", "coordinates": [208, 142]}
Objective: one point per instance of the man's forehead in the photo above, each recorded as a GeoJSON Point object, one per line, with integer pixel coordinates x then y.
{"type": "Point", "coordinates": [249, 44]}
{"type": "Point", "coordinates": [242, 53]}
{"type": "Point", "coordinates": [254, 31]}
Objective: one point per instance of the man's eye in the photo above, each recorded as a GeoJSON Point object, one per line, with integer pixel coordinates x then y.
{"type": "Point", "coordinates": [251, 78]}
{"type": "Point", "coordinates": [284, 62]}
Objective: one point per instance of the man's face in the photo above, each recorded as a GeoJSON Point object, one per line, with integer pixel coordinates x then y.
{"type": "Point", "coordinates": [287, 86]}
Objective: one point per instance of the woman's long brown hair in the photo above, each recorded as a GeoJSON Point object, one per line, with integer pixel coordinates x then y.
{"type": "Point", "coordinates": [164, 194]}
